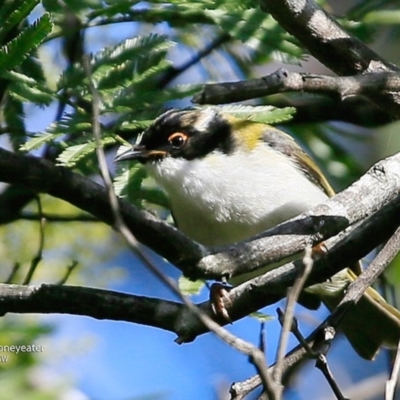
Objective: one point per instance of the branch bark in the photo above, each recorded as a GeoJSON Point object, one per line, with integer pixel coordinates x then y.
{"type": "Point", "coordinates": [283, 81]}
{"type": "Point", "coordinates": [96, 303]}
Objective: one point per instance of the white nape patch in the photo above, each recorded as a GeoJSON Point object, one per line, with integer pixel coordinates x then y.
{"type": "Point", "coordinates": [206, 116]}
{"type": "Point", "coordinates": [217, 201]}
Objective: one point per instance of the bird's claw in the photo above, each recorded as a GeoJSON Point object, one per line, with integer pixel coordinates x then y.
{"type": "Point", "coordinates": [219, 298]}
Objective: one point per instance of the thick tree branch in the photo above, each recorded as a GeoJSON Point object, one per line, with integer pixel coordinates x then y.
{"type": "Point", "coordinates": [282, 81]}
{"type": "Point", "coordinates": [246, 298]}
{"type": "Point", "coordinates": [311, 109]}
{"type": "Point", "coordinates": [375, 189]}
{"type": "Point", "coordinates": [330, 44]}
{"type": "Point", "coordinates": [96, 303]}
{"type": "Point", "coordinates": [326, 40]}
{"type": "Point", "coordinates": [343, 250]}
{"type": "Point", "coordinates": [43, 176]}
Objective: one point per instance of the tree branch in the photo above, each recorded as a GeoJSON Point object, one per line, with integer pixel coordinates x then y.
{"type": "Point", "coordinates": [43, 176]}
{"type": "Point", "coordinates": [245, 298]}
{"type": "Point", "coordinates": [342, 251]}
{"type": "Point", "coordinates": [375, 189]}
{"type": "Point", "coordinates": [379, 187]}
{"type": "Point", "coordinates": [173, 72]}
{"type": "Point", "coordinates": [330, 44]}
{"type": "Point", "coordinates": [96, 303]}
{"type": "Point", "coordinates": [49, 217]}
{"type": "Point", "coordinates": [366, 279]}
{"type": "Point", "coordinates": [323, 36]}
{"type": "Point", "coordinates": [311, 109]}
{"type": "Point", "coordinates": [282, 81]}
{"type": "Point", "coordinates": [174, 317]}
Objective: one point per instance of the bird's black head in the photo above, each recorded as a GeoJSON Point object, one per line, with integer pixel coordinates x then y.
{"type": "Point", "coordinates": [187, 134]}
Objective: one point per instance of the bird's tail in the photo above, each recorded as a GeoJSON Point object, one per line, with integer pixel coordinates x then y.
{"type": "Point", "coordinates": [370, 324]}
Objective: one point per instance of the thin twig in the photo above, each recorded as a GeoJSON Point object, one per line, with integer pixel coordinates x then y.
{"type": "Point", "coordinates": [394, 377]}
{"type": "Point", "coordinates": [321, 361]}
{"type": "Point", "coordinates": [289, 312]}
{"type": "Point", "coordinates": [29, 216]}
{"type": "Point", "coordinates": [68, 272]}
{"type": "Point", "coordinates": [13, 272]}
{"type": "Point", "coordinates": [263, 338]}
{"type": "Point", "coordinates": [322, 364]}
{"type": "Point", "coordinates": [357, 288]}
{"type": "Point", "coordinates": [39, 255]}
{"type": "Point", "coordinates": [174, 72]}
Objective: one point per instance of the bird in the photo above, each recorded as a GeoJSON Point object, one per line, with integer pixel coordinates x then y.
{"type": "Point", "coordinates": [229, 179]}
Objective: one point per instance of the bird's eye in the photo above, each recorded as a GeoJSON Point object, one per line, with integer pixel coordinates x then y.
{"type": "Point", "coordinates": [177, 140]}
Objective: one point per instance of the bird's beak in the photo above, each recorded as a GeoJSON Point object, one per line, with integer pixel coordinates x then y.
{"type": "Point", "coordinates": [135, 153]}
{"type": "Point", "coordinates": [140, 153]}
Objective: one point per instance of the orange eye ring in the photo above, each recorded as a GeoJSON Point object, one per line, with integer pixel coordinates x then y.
{"type": "Point", "coordinates": [177, 139]}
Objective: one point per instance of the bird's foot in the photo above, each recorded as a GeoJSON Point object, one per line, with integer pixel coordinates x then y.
{"type": "Point", "coordinates": [219, 299]}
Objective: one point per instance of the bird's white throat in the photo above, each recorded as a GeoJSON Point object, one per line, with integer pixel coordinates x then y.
{"type": "Point", "coordinates": [216, 200]}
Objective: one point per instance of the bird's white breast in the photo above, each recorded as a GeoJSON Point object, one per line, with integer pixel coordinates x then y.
{"type": "Point", "coordinates": [217, 201]}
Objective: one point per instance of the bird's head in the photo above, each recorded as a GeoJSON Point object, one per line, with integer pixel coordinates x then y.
{"type": "Point", "coordinates": [190, 134]}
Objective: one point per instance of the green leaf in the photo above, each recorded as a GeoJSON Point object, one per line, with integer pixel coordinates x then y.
{"type": "Point", "coordinates": [128, 60]}
{"type": "Point", "coordinates": [138, 100]}
{"type": "Point", "coordinates": [78, 123]}
{"type": "Point", "coordinates": [33, 68]}
{"type": "Point", "coordinates": [188, 287]}
{"type": "Point", "coordinates": [128, 123]}
{"type": "Point", "coordinates": [12, 13]}
{"type": "Point", "coordinates": [262, 317]}
{"type": "Point", "coordinates": [262, 114]}
{"type": "Point", "coordinates": [31, 94]}
{"type": "Point", "coordinates": [154, 196]}
{"type": "Point", "coordinates": [129, 178]}
{"type": "Point", "coordinates": [18, 49]}
{"type": "Point", "coordinates": [176, 16]}
{"type": "Point", "coordinates": [384, 17]}
{"type": "Point", "coordinates": [71, 155]}
{"type": "Point", "coordinates": [39, 140]}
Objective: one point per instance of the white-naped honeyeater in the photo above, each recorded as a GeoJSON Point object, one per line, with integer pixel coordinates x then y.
{"type": "Point", "coordinates": [229, 179]}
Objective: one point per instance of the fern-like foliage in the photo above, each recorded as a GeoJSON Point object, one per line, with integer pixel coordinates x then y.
{"type": "Point", "coordinates": [21, 77]}
{"type": "Point", "coordinates": [12, 13]}
{"type": "Point", "coordinates": [17, 50]}
{"type": "Point", "coordinates": [262, 114]}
